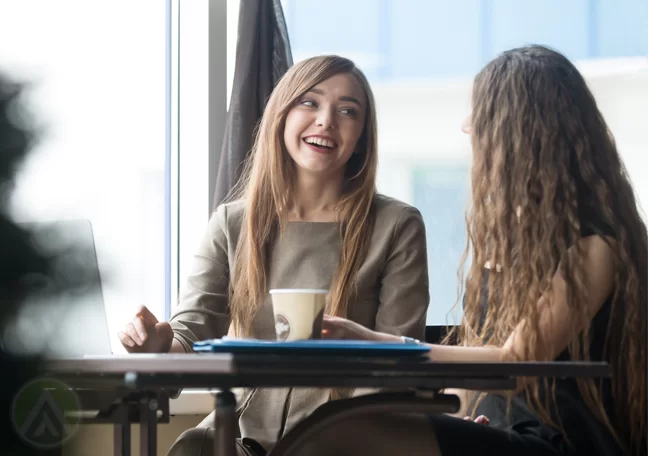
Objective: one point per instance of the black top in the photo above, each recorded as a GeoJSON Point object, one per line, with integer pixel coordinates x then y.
{"type": "Point", "coordinates": [586, 435]}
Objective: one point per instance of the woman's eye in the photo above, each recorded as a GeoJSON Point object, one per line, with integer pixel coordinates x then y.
{"type": "Point", "coordinates": [348, 112]}
{"type": "Point", "coordinates": [309, 103]}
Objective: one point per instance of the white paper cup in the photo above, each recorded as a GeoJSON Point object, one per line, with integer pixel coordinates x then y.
{"type": "Point", "coordinates": [298, 313]}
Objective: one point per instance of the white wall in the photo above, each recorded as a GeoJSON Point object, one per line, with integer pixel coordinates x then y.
{"type": "Point", "coordinates": [623, 99]}
{"type": "Point", "coordinates": [419, 122]}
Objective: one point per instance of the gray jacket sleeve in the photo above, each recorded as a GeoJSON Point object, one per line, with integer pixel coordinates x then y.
{"type": "Point", "coordinates": [202, 311]}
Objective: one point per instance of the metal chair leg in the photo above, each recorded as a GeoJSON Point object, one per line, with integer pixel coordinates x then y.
{"type": "Point", "coordinates": [148, 427]}
{"type": "Point", "coordinates": [122, 439]}
{"type": "Point", "coordinates": [225, 424]}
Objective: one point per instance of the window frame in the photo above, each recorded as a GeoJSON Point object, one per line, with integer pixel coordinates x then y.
{"type": "Point", "coordinates": [198, 50]}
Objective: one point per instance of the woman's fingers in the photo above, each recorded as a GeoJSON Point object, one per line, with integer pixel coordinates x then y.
{"type": "Point", "coordinates": [481, 419]}
{"type": "Point", "coordinates": [132, 332]}
{"type": "Point", "coordinates": [125, 339]}
{"type": "Point", "coordinates": [140, 327]}
{"type": "Point", "coordinates": [136, 333]}
{"type": "Point", "coordinates": [331, 333]}
{"type": "Point", "coordinates": [146, 316]}
{"type": "Point", "coordinates": [330, 329]}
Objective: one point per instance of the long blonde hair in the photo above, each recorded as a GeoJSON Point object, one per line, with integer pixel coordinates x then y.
{"type": "Point", "coordinates": [267, 186]}
{"type": "Point", "coordinates": [542, 146]}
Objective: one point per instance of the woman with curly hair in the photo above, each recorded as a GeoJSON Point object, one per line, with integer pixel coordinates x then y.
{"type": "Point", "coordinates": [555, 220]}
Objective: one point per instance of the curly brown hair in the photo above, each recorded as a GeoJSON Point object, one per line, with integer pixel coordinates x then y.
{"type": "Point", "coordinates": [543, 158]}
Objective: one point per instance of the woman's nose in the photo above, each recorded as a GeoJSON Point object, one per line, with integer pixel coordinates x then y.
{"type": "Point", "coordinates": [325, 119]}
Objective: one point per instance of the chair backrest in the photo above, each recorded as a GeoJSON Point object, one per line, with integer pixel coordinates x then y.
{"type": "Point", "coordinates": [435, 333]}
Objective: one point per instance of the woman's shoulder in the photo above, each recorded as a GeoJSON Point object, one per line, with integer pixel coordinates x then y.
{"type": "Point", "coordinates": [396, 220]}
{"type": "Point", "coordinates": [228, 216]}
{"type": "Point", "coordinates": [391, 210]}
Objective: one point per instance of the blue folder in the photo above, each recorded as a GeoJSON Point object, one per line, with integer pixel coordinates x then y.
{"type": "Point", "coordinates": [310, 347]}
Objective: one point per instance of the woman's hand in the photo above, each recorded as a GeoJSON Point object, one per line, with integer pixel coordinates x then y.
{"type": "Point", "coordinates": [341, 328]}
{"type": "Point", "coordinates": [481, 419]}
{"type": "Point", "coordinates": [145, 334]}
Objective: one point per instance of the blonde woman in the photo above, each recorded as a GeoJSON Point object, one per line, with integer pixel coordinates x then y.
{"type": "Point", "coordinates": [306, 215]}
{"type": "Point", "coordinates": [553, 209]}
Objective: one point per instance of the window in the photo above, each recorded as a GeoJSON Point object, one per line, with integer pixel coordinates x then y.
{"type": "Point", "coordinates": [99, 83]}
{"type": "Point", "coordinates": [420, 57]}
{"type": "Point", "coordinates": [441, 193]}
{"type": "Point", "coordinates": [202, 50]}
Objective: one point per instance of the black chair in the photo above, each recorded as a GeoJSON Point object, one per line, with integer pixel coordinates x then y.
{"type": "Point", "coordinates": [374, 404]}
{"type": "Point", "coordinates": [434, 334]}
{"type": "Point", "coordinates": [336, 412]}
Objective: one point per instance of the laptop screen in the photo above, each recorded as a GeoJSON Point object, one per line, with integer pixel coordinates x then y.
{"type": "Point", "coordinates": [74, 322]}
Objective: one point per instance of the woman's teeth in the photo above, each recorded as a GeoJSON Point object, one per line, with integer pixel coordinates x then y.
{"type": "Point", "coordinates": [321, 142]}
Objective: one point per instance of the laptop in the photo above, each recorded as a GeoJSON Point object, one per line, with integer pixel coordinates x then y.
{"type": "Point", "coordinates": [76, 324]}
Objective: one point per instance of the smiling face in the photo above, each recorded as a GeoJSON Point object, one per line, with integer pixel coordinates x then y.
{"type": "Point", "coordinates": [322, 129]}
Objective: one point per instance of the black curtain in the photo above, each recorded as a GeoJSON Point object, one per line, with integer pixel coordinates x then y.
{"type": "Point", "coordinates": [262, 57]}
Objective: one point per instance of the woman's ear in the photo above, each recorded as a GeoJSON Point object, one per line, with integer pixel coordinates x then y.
{"type": "Point", "coordinates": [466, 125]}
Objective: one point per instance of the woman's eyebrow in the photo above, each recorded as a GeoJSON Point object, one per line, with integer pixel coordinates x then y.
{"type": "Point", "coordinates": [342, 98]}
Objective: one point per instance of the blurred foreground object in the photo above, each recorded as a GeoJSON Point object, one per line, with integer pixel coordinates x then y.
{"type": "Point", "coordinates": [37, 269]}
